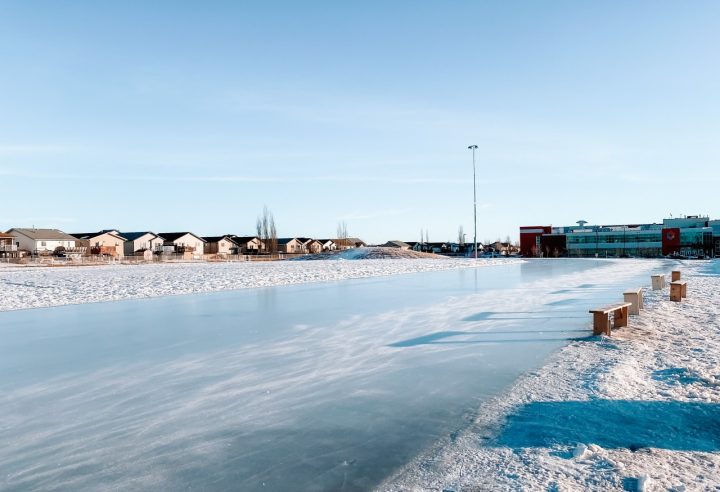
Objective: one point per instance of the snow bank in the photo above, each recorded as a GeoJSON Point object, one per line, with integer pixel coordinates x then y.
{"type": "Point", "coordinates": [30, 287]}
{"type": "Point", "coordinates": [372, 253]}
{"type": "Point", "coordinates": [637, 411]}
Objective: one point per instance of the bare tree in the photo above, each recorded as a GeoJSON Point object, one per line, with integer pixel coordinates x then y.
{"type": "Point", "coordinates": [266, 231]}
{"type": "Point", "coordinates": [342, 234]}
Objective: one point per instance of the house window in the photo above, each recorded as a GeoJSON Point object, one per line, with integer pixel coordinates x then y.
{"type": "Point", "coordinates": [42, 243]}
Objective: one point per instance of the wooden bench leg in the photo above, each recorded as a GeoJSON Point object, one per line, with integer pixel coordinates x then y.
{"type": "Point", "coordinates": [640, 301]}
{"type": "Point", "coordinates": [675, 293]}
{"type": "Point", "coordinates": [620, 317]}
{"type": "Point", "coordinates": [601, 324]}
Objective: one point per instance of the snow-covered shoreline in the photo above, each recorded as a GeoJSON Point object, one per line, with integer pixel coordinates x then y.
{"type": "Point", "coordinates": [635, 411]}
{"type": "Point", "coordinates": [25, 287]}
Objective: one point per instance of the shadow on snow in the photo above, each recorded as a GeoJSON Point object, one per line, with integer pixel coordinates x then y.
{"type": "Point", "coordinates": [632, 424]}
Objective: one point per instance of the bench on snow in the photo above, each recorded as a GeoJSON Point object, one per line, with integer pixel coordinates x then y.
{"type": "Point", "coordinates": [678, 290]}
{"type": "Point", "coordinates": [658, 282]}
{"type": "Point", "coordinates": [601, 317]}
{"type": "Point", "coordinates": [634, 297]}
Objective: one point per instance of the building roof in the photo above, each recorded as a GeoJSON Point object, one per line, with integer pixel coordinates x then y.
{"type": "Point", "coordinates": [132, 236]}
{"type": "Point", "coordinates": [6, 235]}
{"type": "Point", "coordinates": [90, 235]}
{"type": "Point", "coordinates": [217, 239]}
{"type": "Point", "coordinates": [396, 244]}
{"type": "Point", "coordinates": [285, 240]}
{"type": "Point", "coordinates": [305, 239]}
{"type": "Point", "coordinates": [326, 240]}
{"type": "Point", "coordinates": [244, 239]}
{"type": "Point", "coordinates": [172, 236]}
{"type": "Point", "coordinates": [44, 234]}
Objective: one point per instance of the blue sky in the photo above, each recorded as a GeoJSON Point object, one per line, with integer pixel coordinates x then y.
{"type": "Point", "coordinates": [192, 116]}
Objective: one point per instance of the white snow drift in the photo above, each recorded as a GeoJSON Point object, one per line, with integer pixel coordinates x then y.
{"type": "Point", "coordinates": [31, 287]}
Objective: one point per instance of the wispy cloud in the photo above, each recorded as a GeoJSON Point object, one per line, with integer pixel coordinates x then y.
{"type": "Point", "coordinates": [376, 214]}
{"type": "Point", "coordinates": [245, 179]}
{"type": "Point", "coordinates": [17, 149]}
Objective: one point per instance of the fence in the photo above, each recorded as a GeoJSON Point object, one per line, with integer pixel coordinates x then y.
{"type": "Point", "coordinates": [137, 260]}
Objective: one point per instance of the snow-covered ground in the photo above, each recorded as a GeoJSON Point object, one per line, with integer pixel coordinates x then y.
{"type": "Point", "coordinates": [636, 411]}
{"type": "Point", "coordinates": [31, 287]}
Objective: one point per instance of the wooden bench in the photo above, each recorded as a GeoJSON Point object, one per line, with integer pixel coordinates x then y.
{"type": "Point", "coordinates": [678, 290]}
{"type": "Point", "coordinates": [635, 298]}
{"type": "Point", "coordinates": [675, 275]}
{"type": "Point", "coordinates": [658, 282]}
{"type": "Point", "coordinates": [601, 317]}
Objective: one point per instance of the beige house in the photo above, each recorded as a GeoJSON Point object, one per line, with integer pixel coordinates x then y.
{"type": "Point", "coordinates": [311, 246]}
{"type": "Point", "coordinates": [106, 243]}
{"type": "Point", "coordinates": [183, 243]}
{"type": "Point", "coordinates": [137, 243]}
{"type": "Point", "coordinates": [328, 244]}
{"type": "Point", "coordinates": [349, 243]}
{"type": "Point", "coordinates": [290, 245]}
{"type": "Point", "coordinates": [249, 245]}
{"type": "Point", "coordinates": [220, 245]}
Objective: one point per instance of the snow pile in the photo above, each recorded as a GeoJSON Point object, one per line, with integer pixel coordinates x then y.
{"type": "Point", "coordinates": [372, 253]}
{"type": "Point", "coordinates": [637, 411]}
{"type": "Point", "coordinates": [41, 287]}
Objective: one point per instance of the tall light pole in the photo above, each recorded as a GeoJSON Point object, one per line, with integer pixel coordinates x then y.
{"type": "Point", "coordinates": [473, 147]}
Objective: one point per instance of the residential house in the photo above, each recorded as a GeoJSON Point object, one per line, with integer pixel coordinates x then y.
{"type": "Point", "coordinates": [396, 244]}
{"type": "Point", "coordinates": [328, 244]}
{"type": "Point", "coordinates": [290, 245]}
{"type": "Point", "coordinates": [500, 248]}
{"type": "Point", "coordinates": [46, 241]}
{"type": "Point", "coordinates": [248, 245]}
{"type": "Point", "coordinates": [105, 243]}
{"type": "Point", "coordinates": [311, 246]}
{"type": "Point", "coordinates": [183, 243]}
{"type": "Point", "coordinates": [8, 246]}
{"type": "Point", "coordinates": [349, 242]}
{"type": "Point", "coordinates": [138, 243]}
{"type": "Point", "coordinates": [220, 245]}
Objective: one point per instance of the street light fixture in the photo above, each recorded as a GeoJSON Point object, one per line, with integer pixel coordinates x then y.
{"type": "Point", "coordinates": [473, 147]}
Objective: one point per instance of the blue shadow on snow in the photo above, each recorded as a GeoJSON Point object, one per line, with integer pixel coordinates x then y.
{"type": "Point", "coordinates": [442, 338]}
{"type": "Point", "coordinates": [632, 424]}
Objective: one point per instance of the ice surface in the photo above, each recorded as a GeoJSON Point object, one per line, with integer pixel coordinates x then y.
{"type": "Point", "coordinates": [322, 386]}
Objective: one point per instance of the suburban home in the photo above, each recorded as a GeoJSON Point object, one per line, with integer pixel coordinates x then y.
{"type": "Point", "coordinates": [311, 245]}
{"type": "Point", "coordinates": [290, 245]}
{"type": "Point", "coordinates": [8, 246]}
{"type": "Point", "coordinates": [349, 242]}
{"type": "Point", "coordinates": [248, 245]}
{"type": "Point", "coordinates": [106, 243]}
{"type": "Point", "coordinates": [434, 247]}
{"type": "Point", "coordinates": [182, 243]}
{"type": "Point", "coordinates": [137, 243]}
{"type": "Point", "coordinates": [46, 241]}
{"type": "Point", "coordinates": [500, 248]}
{"type": "Point", "coordinates": [327, 244]}
{"type": "Point", "coordinates": [396, 244]}
{"type": "Point", "coordinates": [220, 245]}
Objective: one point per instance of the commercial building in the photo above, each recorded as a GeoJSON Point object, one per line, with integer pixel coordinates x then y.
{"type": "Point", "coordinates": [691, 236]}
